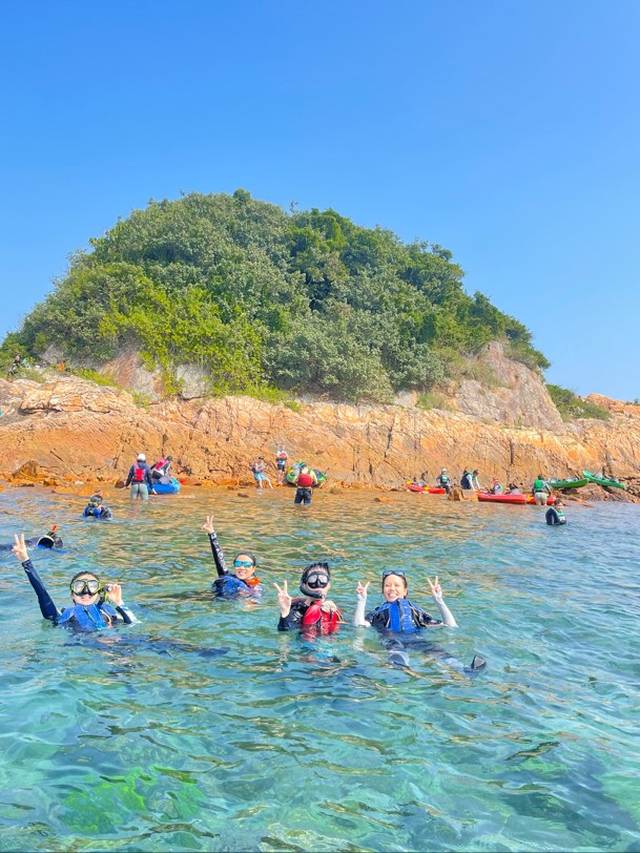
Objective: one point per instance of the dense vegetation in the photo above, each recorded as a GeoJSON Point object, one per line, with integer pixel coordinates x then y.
{"type": "Point", "coordinates": [305, 302]}
{"type": "Point", "coordinates": [571, 406]}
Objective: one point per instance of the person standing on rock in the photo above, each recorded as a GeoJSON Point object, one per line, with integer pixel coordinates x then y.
{"type": "Point", "coordinates": [281, 463]}
{"type": "Point", "coordinates": [258, 469]}
{"type": "Point", "coordinates": [139, 479]}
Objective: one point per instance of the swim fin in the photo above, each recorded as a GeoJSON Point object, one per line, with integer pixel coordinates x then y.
{"type": "Point", "coordinates": [478, 662]}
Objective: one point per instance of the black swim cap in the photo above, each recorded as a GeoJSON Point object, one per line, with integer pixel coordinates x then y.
{"type": "Point", "coordinates": [315, 579]}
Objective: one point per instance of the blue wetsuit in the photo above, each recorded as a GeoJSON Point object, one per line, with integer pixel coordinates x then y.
{"type": "Point", "coordinates": [227, 585]}
{"type": "Point", "coordinates": [101, 511]}
{"type": "Point", "coordinates": [401, 617]}
{"type": "Point", "coordinates": [80, 617]}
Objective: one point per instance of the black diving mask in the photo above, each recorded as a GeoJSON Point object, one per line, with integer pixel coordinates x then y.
{"type": "Point", "coordinates": [85, 586]}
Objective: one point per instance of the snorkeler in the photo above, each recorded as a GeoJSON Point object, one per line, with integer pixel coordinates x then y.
{"type": "Point", "coordinates": [95, 605]}
{"type": "Point", "coordinates": [399, 616]}
{"type": "Point", "coordinates": [49, 540]}
{"type": "Point", "coordinates": [313, 613]}
{"type": "Point", "coordinates": [243, 580]}
{"type": "Point", "coordinates": [96, 508]}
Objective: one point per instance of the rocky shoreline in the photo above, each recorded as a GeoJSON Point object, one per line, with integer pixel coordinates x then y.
{"type": "Point", "coordinates": [69, 433]}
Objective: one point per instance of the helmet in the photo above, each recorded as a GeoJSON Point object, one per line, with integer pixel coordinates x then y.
{"type": "Point", "coordinates": [142, 457]}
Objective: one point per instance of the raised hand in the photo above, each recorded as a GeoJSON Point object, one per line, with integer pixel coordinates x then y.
{"type": "Point", "coordinates": [114, 594]}
{"type": "Point", "coordinates": [361, 589]}
{"type": "Point", "coordinates": [328, 606]}
{"type": "Point", "coordinates": [284, 599]}
{"type": "Point", "coordinates": [436, 589]}
{"type": "Point", "coordinates": [19, 548]}
{"type": "Point", "coordinates": [208, 525]}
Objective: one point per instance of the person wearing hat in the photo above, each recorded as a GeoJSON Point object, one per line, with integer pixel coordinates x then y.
{"type": "Point", "coordinates": [313, 613]}
{"type": "Point", "coordinates": [139, 479]}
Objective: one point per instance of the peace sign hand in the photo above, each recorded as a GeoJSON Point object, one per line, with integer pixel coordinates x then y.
{"type": "Point", "coordinates": [208, 525]}
{"type": "Point", "coordinates": [361, 590]}
{"type": "Point", "coordinates": [284, 599]}
{"type": "Point", "coordinates": [19, 548]}
{"type": "Point", "coordinates": [436, 589]}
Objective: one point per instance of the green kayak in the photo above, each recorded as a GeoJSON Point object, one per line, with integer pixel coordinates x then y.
{"type": "Point", "coordinates": [567, 484]}
{"type": "Point", "coordinates": [603, 481]}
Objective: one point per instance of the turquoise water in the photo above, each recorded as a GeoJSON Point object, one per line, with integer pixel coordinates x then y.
{"type": "Point", "coordinates": [203, 728]}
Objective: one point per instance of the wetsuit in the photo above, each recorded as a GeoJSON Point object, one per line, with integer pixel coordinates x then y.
{"type": "Point", "coordinates": [92, 617]}
{"type": "Point", "coordinates": [555, 516]}
{"type": "Point", "coordinates": [228, 585]}
{"type": "Point", "coordinates": [309, 618]}
{"type": "Point", "coordinates": [97, 512]}
{"type": "Point", "coordinates": [400, 616]}
{"type": "Point", "coordinates": [402, 622]}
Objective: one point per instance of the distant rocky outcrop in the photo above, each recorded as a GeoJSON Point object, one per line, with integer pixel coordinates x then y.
{"type": "Point", "coordinates": [73, 429]}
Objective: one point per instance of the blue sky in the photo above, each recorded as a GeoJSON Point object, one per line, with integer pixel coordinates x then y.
{"type": "Point", "coordinates": [506, 131]}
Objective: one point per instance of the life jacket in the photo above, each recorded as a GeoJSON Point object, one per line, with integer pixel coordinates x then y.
{"type": "Point", "coordinates": [323, 621]}
{"type": "Point", "coordinates": [88, 618]}
{"type": "Point", "coordinates": [465, 482]}
{"type": "Point", "coordinates": [539, 486]}
{"type": "Point", "coordinates": [282, 454]}
{"type": "Point", "coordinates": [139, 474]}
{"type": "Point", "coordinates": [229, 585]}
{"type": "Point", "coordinates": [399, 616]}
{"type": "Point", "coordinates": [159, 465]}
{"type": "Point", "coordinates": [305, 481]}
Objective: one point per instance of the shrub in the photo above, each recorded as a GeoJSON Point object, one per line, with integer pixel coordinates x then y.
{"type": "Point", "coordinates": [571, 406]}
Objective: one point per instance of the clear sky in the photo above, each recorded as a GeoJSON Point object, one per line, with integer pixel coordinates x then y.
{"type": "Point", "coordinates": [506, 131]}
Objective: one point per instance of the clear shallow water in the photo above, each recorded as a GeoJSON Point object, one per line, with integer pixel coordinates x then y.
{"type": "Point", "coordinates": [203, 728]}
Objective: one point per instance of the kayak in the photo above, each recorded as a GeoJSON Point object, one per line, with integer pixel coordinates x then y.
{"type": "Point", "coordinates": [568, 484]}
{"type": "Point", "coordinates": [511, 499]}
{"type": "Point", "coordinates": [292, 473]}
{"type": "Point", "coordinates": [170, 488]}
{"type": "Point", "coordinates": [425, 490]}
{"type": "Point", "coordinates": [603, 481]}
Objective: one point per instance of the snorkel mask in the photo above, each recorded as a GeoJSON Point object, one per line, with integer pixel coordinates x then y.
{"type": "Point", "coordinates": [315, 580]}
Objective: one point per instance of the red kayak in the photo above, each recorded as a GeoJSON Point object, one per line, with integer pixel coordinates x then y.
{"type": "Point", "coordinates": [511, 499]}
{"type": "Point", "coordinates": [429, 490]}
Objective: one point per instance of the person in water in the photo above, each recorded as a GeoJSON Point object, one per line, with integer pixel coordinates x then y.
{"type": "Point", "coordinates": [243, 580]}
{"type": "Point", "coordinates": [397, 617]}
{"type": "Point", "coordinates": [160, 469]}
{"type": "Point", "coordinates": [49, 540]}
{"type": "Point", "coordinates": [313, 613]}
{"type": "Point", "coordinates": [96, 508]}
{"type": "Point", "coordinates": [305, 481]}
{"type": "Point", "coordinates": [95, 605]}
{"type": "Point", "coordinates": [540, 490]}
{"type": "Point", "coordinates": [140, 479]}
{"type": "Point", "coordinates": [555, 514]}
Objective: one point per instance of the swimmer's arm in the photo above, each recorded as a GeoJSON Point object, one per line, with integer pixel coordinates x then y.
{"type": "Point", "coordinates": [358, 617]}
{"type": "Point", "coordinates": [126, 615]}
{"type": "Point", "coordinates": [216, 550]}
{"type": "Point", "coordinates": [447, 616]}
{"type": "Point", "coordinates": [47, 606]}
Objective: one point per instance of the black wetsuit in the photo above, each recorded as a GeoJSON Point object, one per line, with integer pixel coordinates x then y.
{"type": "Point", "coordinates": [555, 516]}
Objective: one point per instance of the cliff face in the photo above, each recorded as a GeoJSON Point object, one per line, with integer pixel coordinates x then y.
{"type": "Point", "coordinates": [74, 429]}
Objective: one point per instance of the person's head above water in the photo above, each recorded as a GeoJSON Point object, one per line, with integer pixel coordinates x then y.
{"type": "Point", "coordinates": [394, 585]}
{"type": "Point", "coordinates": [316, 580]}
{"type": "Point", "coordinates": [50, 539]}
{"type": "Point", "coordinates": [244, 565]}
{"type": "Point", "coordinates": [95, 500]}
{"type": "Point", "coordinates": [85, 588]}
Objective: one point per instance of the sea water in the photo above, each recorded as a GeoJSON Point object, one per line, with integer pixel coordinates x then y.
{"type": "Point", "coordinates": [204, 728]}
